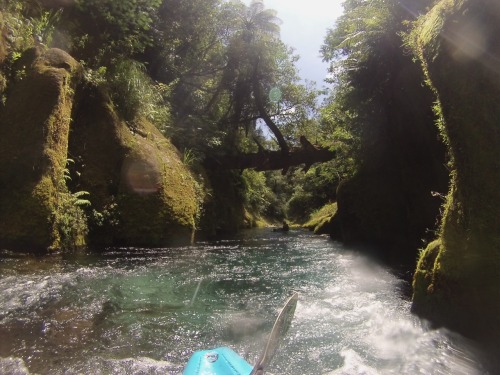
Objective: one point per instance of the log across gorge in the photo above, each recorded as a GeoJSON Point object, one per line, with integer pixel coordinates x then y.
{"type": "Point", "coordinates": [263, 160]}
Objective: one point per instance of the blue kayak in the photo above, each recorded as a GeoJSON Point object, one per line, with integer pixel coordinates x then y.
{"type": "Point", "coordinates": [224, 361]}
{"type": "Point", "coordinates": [220, 361]}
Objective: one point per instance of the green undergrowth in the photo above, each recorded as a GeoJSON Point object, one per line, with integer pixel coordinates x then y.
{"type": "Point", "coordinates": [254, 220]}
{"type": "Point", "coordinates": [321, 218]}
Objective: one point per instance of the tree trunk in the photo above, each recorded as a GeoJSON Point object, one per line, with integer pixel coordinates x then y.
{"type": "Point", "coordinates": [264, 115]}
{"type": "Point", "coordinates": [274, 160]}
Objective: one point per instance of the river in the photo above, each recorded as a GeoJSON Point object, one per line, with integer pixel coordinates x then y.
{"type": "Point", "coordinates": [144, 311]}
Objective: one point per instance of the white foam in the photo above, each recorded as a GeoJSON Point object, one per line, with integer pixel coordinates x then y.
{"type": "Point", "coordinates": [136, 366]}
{"type": "Point", "coordinates": [13, 366]}
{"type": "Point", "coordinates": [353, 364]}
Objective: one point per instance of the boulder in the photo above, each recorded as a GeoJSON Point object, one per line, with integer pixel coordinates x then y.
{"type": "Point", "coordinates": [141, 192]}
{"type": "Point", "coordinates": [35, 125]}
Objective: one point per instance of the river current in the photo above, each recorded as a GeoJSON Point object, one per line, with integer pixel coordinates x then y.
{"type": "Point", "coordinates": [144, 311]}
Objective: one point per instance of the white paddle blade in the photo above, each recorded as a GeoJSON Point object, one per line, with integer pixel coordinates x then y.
{"type": "Point", "coordinates": [280, 328]}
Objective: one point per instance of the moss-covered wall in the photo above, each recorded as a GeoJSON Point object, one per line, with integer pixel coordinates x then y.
{"type": "Point", "coordinates": [33, 148]}
{"type": "Point", "coordinates": [142, 192]}
{"type": "Point", "coordinates": [389, 202]}
{"type": "Point", "coordinates": [458, 277]}
{"type": "Point", "coordinates": [324, 220]}
{"type": "Point", "coordinates": [157, 192]}
{"type": "Point", "coordinates": [4, 45]}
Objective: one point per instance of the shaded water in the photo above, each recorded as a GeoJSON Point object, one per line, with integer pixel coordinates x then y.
{"type": "Point", "coordinates": [144, 311]}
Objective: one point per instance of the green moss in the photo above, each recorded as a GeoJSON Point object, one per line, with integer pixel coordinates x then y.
{"type": "Point", "coordinates": [321, 218]}
{"type": "Point", "coordinates": [156, 191]}
{"type": "Point", "coordinates": [3, 40]}
{"type": "Point", "coordinates": [253, 220]}
{"type": "Point", "coordinates": [422, 281]}
{"type": "Point", "coordinates": [141, 191]}
{"type": "Point", "coordinates": [465, 275]}
{"type": "Point", "coordinates": [33, 150]}
{"type": "Point", "coordinates": [29, 220]}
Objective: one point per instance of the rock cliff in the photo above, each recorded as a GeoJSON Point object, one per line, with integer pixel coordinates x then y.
{"type": "Point", "coordinates": [61, 137]}
{"type": "Point", "coordinates": [35, 126]}
{"type": "Point", "coordinates": [134, 175]}
{"type": "Point", "coordinates": [458, 280]}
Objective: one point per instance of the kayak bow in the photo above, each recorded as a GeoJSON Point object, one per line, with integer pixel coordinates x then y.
{"type": "Point", "coordinates": [224, 361]}
{"type": "Point", "coordinates": [220, 361]}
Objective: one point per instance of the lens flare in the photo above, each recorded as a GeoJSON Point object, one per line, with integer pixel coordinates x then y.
{"type": "Point", "coordinates": [141, 177]}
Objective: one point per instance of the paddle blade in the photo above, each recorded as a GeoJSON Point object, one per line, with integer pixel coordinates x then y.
{"type": "Point", "coordinates": [280, 328]}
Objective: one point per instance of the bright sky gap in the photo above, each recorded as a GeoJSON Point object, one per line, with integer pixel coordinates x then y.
{"type": "Point", "coordinates": [304, 28]}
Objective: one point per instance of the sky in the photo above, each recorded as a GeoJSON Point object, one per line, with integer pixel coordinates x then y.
{"type": "Point", "coordinates": [304, 27]}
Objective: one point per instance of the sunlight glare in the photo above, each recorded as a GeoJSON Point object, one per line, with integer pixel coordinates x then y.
{"type": "Point", "coordinates": [469, 40]}
{"type": "Point", "coordinates": [141, 177]}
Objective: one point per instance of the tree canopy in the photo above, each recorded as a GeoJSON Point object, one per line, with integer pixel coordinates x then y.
{"type": "Point", "coordinates": [215, 77]}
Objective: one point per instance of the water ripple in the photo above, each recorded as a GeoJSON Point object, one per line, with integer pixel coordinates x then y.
{"type": "Point", "coordinates": [144, 311]}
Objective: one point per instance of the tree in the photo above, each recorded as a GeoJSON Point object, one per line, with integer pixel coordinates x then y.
{"type": "Point", "coordinates": [249, 55]}
{"type": "Point", "coordinates": [188, 54]}
{"type": "Point", "coordinates": [104, 29]}
{"type": "Point", "coordinates": [372, 74]}
{"type": "Point", "coordinates": [258, 63]}
{"type": "Point", "coordinates": [384, 116]}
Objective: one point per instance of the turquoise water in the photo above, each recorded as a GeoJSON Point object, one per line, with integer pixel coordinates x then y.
{"type": "Point", "coordinates": [144, 311]}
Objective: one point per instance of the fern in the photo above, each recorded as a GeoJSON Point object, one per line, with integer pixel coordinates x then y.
{"type": "Point", "coordinates": [77, 201]}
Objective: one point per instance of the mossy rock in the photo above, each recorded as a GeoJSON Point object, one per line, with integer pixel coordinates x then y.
{"type": "Point", "coordinates": [33, 149]}
{"type": "Point", "coordinates": [134, 175]}
{"type": "Point", "coordinates": [4, 44]}
{"type": "Point", "coordinates": [253, 220]}
{"type": "Point", "coordinates": [157, 192]}
{"type": "Point", "coordinates": [422, 280]}
{"type": "Point", "coordinates": [323, 221]}
{"type": "Point", "coordinates": [457, 42]}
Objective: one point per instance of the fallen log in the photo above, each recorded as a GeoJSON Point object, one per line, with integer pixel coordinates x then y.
{"type": "Point", "coordinates": [265, 160]}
